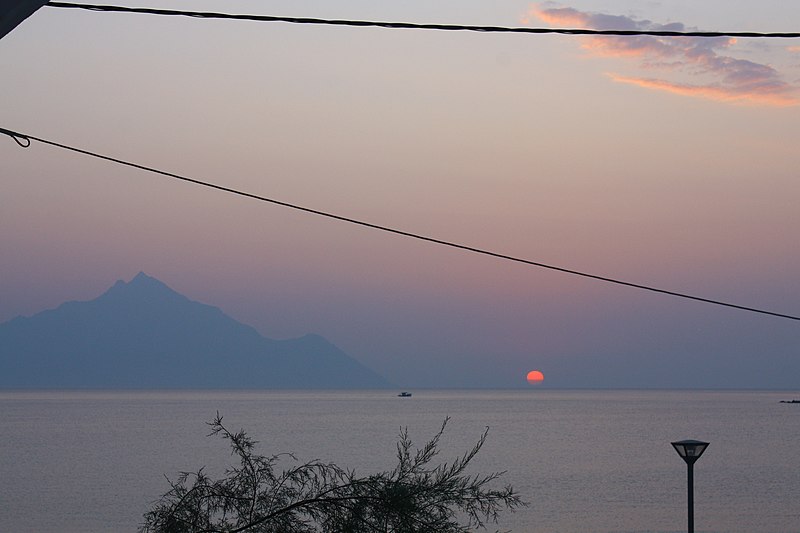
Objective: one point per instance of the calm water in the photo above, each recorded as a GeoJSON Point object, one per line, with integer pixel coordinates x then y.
{"type": "Point", "coordinates": [587, 461]}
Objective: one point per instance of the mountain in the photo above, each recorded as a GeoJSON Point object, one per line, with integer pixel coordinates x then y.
{"type": "Point", "coordinates": [142, 334]}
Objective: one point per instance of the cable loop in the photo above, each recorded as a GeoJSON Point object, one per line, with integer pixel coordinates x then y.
{"type": "Point", "coordinates": [19, 138]}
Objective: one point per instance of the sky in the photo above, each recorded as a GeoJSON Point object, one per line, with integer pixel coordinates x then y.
{"type": "Point", "coordinates": [664, 162]}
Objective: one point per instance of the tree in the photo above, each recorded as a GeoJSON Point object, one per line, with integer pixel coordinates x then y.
{"type": "Point", "coordinates": [254, 497]}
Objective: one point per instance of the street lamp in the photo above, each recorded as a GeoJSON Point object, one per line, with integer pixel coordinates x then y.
{"type": "Point", "coordinates": [690, 451]}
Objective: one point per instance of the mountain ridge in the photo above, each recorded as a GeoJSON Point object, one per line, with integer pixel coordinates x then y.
{"type": "Point", "coordinates": [143, 334]}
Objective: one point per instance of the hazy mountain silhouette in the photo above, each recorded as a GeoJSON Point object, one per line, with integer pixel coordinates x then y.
{"type": "Point", "coordinates": [142, 334]}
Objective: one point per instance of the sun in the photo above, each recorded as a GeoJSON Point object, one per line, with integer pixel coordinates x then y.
{"type": "Point", "coordinates": [535, 377]}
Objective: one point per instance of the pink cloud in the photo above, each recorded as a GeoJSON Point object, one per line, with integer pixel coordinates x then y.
{"type": "Point", "coordinates": [733, 80]}
{"type": "Point", "coordinates": [722, 94]}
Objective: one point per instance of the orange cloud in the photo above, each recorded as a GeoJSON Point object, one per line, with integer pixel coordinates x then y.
{"type": "Point", "coordinates": [722, 94]}
{"type": "Point", "coordinates": [732, 80]}
{"type": "Point", "coordinates": [560, 17]}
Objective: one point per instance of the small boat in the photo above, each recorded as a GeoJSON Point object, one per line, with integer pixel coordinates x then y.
{"type": "Point", "coordinates": [405, 394]}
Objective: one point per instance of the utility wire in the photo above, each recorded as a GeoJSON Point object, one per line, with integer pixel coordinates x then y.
{"type": "Point", "coordinates": [412, 26]}
{"type": "Point", "coordinates": [24, 141]}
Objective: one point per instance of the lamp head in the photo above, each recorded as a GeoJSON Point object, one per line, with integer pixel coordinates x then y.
{"type": "Point", "coordinates": [690, 450]}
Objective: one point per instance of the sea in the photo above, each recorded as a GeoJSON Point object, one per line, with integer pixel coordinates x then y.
{"type": "Point", "coordinates": [594, 461]}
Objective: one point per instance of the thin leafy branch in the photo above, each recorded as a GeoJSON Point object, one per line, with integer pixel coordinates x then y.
{"type": "Point", "coordinates": [253, 496]}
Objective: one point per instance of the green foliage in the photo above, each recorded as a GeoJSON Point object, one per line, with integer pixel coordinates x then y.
{"type": "Point", "coordinates": [254, 497]}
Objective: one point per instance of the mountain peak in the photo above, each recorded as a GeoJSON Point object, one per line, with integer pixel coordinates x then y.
{"type": "Point", "coordinates": [141, 276]}
{"type": "Point", "coordinates": [142, 286]}
{"type": "Point", "coordinates": [142, 279]}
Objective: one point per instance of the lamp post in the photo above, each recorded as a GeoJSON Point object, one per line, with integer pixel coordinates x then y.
{"type": "Point", "coordinates": [690, 451]}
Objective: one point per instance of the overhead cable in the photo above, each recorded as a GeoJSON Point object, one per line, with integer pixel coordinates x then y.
{"type": "Point", "coordinates": [413, 26]}
{"type": "Point", "coordinates": [24, 140]}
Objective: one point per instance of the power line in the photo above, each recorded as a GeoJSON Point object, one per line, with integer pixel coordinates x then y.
{"type": "Point", "coordinates": [413, 26]}
{"type": "Point", "coordinates": [24, 140]}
